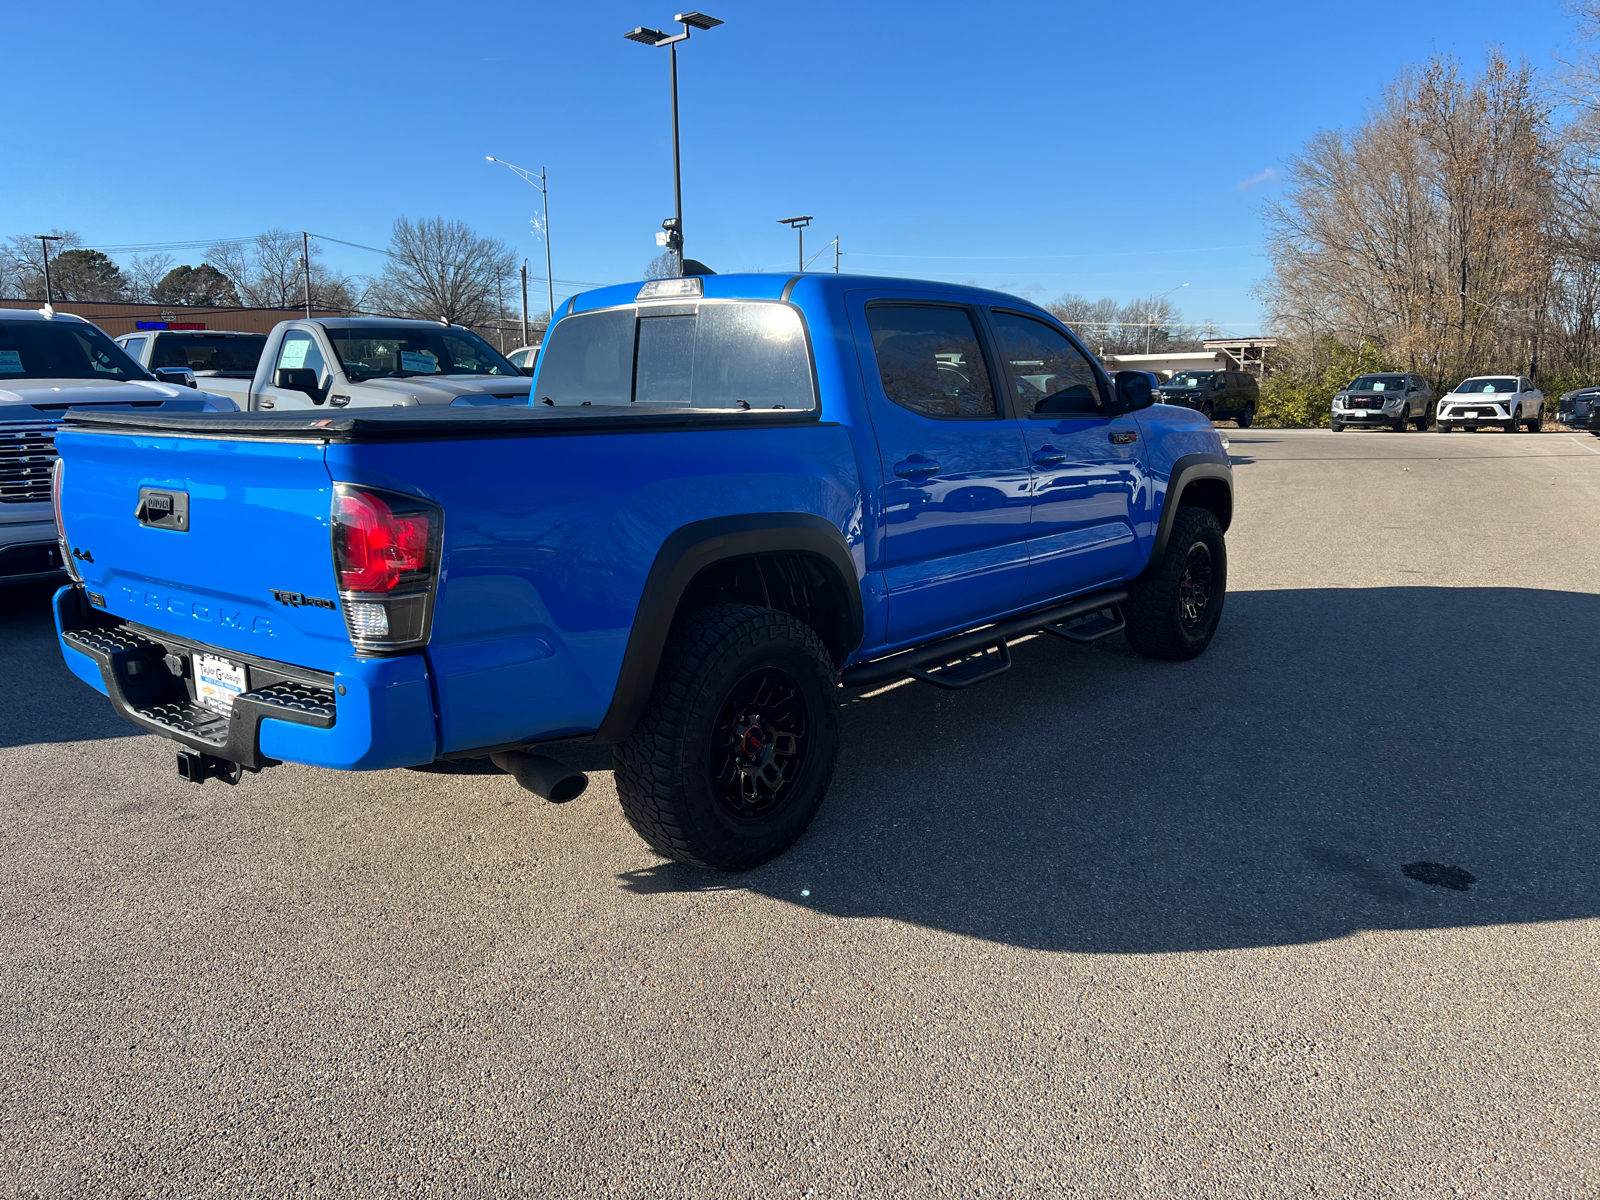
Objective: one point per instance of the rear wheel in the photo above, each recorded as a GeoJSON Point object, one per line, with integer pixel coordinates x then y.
{"type": "Point", "coordinates": [1535, 422]}
{"type": "Point", "coordinates": [736, 748]}
{"type": "Point", "coordinates": [1173, 608]}
{"type": "Point", "coordinates": [1422, 422]}
{"type": "Point", "coordinates": [1246, 418]}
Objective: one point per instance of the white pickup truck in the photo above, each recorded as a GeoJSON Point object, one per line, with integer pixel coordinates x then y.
{"type": "Point", "coordinates": [211, 354]}
{"type": "Point", "coordinates": [51, 362]}
{"type": "Point", "coordinates": [363, 362]}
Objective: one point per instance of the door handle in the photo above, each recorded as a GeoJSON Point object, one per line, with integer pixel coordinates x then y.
{"type": "Point", "coordinates": [1124, 437]}
{"type": "Point", "coordinates": [914, 465]}
{"type": "Point", "coordinates": [1049, 456]}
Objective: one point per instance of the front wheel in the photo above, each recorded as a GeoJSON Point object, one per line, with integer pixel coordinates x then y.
{"type": "Point", "coordinates": [1208, 412]}
{"type": "Point", "coordinates": [1336, 426]}
{"type": "Point", "coordinates": [1173, 608]}
{"type": "Point", "coordinates": [736, 748]}
{"type": "Point", "coordinates": [1514, 425]}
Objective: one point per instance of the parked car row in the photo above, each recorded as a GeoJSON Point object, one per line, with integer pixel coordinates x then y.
{"type": "Point", "coordinates": [1394, 400]}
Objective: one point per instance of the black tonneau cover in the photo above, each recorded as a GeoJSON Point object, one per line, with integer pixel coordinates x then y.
{"type": "Point", "coordinates": [432, 424]}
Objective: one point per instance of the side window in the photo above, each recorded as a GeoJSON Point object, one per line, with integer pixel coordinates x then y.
{"type": "Point", "coordinates": [301, 350]}
{"type": "Point", "coordinates": [930, 361]}
{"type": "Point", "coordinates": [135, 347]}
{"type": "Point", "coordinates": [1052, 377]}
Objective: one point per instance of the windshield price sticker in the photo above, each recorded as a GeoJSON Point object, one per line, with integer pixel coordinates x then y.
{"type": "Point", "coordinates": [217, 681]}
{"type": "Point", "coordinates": [418, 360]}
{"type": "Point", "coordinates": [10, 360]}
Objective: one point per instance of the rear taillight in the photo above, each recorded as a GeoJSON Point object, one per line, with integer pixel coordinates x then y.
{"type": "Point", "coordinates": [56, 477]}
{"type": "Point", "coordinates": [386, 557]}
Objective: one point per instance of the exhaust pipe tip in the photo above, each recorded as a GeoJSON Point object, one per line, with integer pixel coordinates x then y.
{"type": "Point", "coordinates": [544, 777]}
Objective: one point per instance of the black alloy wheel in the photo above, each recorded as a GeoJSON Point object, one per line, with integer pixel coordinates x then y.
{"type": "Point", "coordinates": [1173, 608]}
{"type": "Point", "coordinates": [736, 747]}
{"type": "Point", "coordinates": [1194, 585]}
{"type": "Point", "coordinates": [760, 744]}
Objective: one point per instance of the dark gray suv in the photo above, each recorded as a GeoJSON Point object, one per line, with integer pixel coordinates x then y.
{"type": "Point", "coordinates": [1219, 395]}
{"type": "Point", "coordinates": [1390, 400]}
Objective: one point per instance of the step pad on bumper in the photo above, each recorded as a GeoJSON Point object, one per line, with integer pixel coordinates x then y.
{"type": "Point", "coordinates": [144, 690]}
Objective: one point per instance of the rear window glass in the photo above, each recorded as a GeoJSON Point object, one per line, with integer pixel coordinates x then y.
{"type": "Point", "coordinates": [712, 356]}
{"type": "Point", "coordinates": [240, 353]}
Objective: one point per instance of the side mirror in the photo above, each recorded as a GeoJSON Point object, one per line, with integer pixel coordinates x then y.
{"type": "Point", "coordinates": [297, 379]}
{"type": "Point", "coordinates": [178, 376]}
{"type": "Point", "coordinates": [527, 370]}
{"type": "Point", "coordinates": [1133, 391]}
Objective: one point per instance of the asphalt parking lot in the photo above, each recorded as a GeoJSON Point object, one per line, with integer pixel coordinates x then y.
{"type": "Point", "coordinates": [1101, 927]}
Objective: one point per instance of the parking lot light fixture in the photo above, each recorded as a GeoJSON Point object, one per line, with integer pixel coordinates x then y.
{"type": "Point", "coordinates": [646, 36]}
{"type": "Point", "coordinates": [798, 224]}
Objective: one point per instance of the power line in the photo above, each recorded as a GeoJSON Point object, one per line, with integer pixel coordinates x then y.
{"type": "Point", "coordinates": [1080, 254]}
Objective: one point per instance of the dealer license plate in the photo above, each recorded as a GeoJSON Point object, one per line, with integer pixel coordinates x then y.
{"type": "Point", "coordinates": [217, 681]}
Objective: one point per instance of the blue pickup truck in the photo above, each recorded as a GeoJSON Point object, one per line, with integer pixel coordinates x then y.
{"type": "Point", "coordinates": [728, 497]}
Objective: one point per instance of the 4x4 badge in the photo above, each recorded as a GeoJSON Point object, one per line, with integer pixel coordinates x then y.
{"type": "Point", "coordinates": [300, 600]}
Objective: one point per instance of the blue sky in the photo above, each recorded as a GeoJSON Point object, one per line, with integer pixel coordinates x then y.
{"type": "Point", "coordinates": [1037, 148]}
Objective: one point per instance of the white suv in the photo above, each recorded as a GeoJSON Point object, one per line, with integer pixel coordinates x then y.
{"type": "Point", "coordinates": [1509, 401]}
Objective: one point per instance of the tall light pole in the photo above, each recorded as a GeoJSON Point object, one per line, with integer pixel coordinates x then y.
{"type": "Point", "coordinates": [44, 244]}
{"type": "Point", "coordinates": [654, 37]}
{"type": "Point", "coordinates": [1150, 312]}
{"type": "Point", "coordinates": [543, 185]}
{"type": "Point", "coordinates": [798, 224]}
{"type": "Point", "coordinates": [305, 263]}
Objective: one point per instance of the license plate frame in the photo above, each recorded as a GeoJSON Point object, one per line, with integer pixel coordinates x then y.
{"type": "Point", "coordinates": [218, 680]}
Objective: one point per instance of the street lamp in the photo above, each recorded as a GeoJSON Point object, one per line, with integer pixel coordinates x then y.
{"type": "Point", "coordinates": [798, 224]}
{"type": "Point", "coordinates": [541, 185]}
{"type": "Point", "coordinates": [673, 227]}
{"type": "Point", "coordinates": [44, 244]}
{"type": "Point", "coordinates": [1150, 312]}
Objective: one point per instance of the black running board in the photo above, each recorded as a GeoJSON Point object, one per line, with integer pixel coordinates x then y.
{"type": "Point", "coordinates": [954, 662]}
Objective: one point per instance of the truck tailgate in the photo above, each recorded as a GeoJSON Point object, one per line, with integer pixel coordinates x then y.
{"type": "Point", "coordinates": [248, 567]}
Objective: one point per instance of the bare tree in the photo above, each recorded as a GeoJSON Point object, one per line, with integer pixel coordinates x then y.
{"type": "Point", "coordinates": [144, 273]}
{"type": "Point", "coordinates": [1106, 327]}
{"type": "Point", "coordinates": [663, 266]}
{"type": "Point", "coordinates": [441, 270]}
{"type": "Point", "coordinates": [268, 273]}
{"type": "Point", "coordinates": [22, 263]}
{"type": "Point", "coordinates": [1427, 229]}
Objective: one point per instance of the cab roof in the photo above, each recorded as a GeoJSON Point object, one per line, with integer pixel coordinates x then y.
{"type": "Point", "coordinates": [777, 286]}
{"type": "Point", "coordinates": [38, 314]}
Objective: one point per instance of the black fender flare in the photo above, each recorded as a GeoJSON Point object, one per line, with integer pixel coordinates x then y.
{"type": "Point", "coordinates": [1184, 472]}
{"type": "Point", "coordinates": [686, 553]}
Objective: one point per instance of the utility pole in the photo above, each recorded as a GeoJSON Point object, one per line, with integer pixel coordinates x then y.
{"type": "Point", "coordinates": [798, 224]}
{"type": "Point", "coordinates": [44, 244]}
{"type": "Point", "coordinates": [305, 261]}
{"type": "Point", "coordinates": [544, 190]}
{"type": "Point", "coordinates": [500, 311]}
{"type": "Point", "coordinates": [524, 302]}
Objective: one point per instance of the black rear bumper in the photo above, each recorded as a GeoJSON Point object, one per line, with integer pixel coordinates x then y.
{"type": "Point", "coordinates": [148, 679]}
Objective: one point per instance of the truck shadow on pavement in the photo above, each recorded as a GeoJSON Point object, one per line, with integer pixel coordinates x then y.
{"type": "Point", "coordinates": [40, 700]}
{"type": "Point", "coordinates": [1267, 793]}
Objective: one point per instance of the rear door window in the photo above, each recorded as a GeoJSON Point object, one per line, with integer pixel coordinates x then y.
{"type": "Point", "coordinates": [930, 360]}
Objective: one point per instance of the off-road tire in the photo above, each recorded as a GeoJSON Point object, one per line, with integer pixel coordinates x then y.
{"type": "Point", "coordinates": [1156, 626]}
{"type": "Point", "coordinates": [664, 771]}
